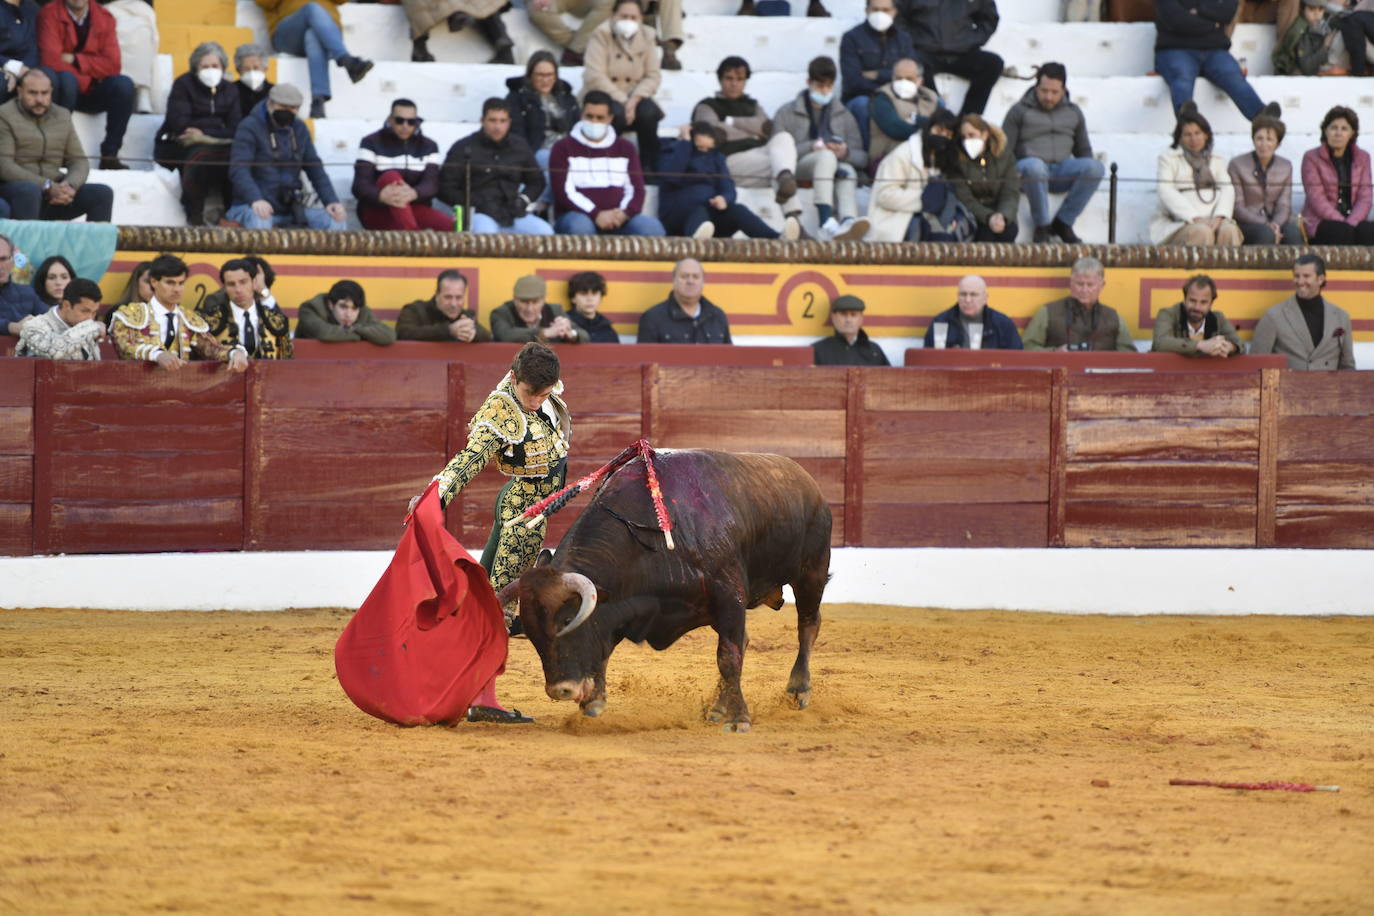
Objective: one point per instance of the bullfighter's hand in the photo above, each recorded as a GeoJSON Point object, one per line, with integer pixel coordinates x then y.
{"type": "Point", "coordinates": [410, 508]}
{"type": "Point", "coordinates": [238, 361]}
{"type": "Point", "coordinates": [170, 361]}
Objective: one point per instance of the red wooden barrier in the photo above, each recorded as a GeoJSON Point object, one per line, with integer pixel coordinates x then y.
{"type": "Point", "coordinates": [569, 354]}
{"type": "Point", "coordinates": [16, 456]}
{"type": "Point", "coordinates": [1085, 361]}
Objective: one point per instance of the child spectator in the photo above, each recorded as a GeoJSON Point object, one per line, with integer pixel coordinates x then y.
{"type": "Point", "coordinates": [586, 290]}
{"type": "Point", "coordinates": [1305, 49]}
{"type": "Point", "coordinates": [699, 195]}
{"type": "Point", "coordinates": [342, 316]}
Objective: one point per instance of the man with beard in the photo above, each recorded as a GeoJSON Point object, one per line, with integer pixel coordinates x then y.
{"type": "Point", "coordinates": [1192, 327]}
{"type": "Point", "coordinates": [444, 316]}
{"type": "Point", "coordinates": [1311, 331]}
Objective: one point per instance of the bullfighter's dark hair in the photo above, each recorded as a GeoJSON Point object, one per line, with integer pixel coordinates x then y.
{"type": "Point", "coordinates": [1200, 280]}
{"type": "Point", "coordinates": [821, 70]}
{"type": "Point", "coordinates": [733, 62]}
{"type": "Point", "coordinates": [81, 288]}
{"type": "Point", "coordinates": [238, 264]}
{"type": "Point", "coordinates": [536, 365]}
{"type": "Point", "coordinates": [589, 281]}
{"type": "Point", "coordinates": [347, 289]}
{"type": "Point", "coordinates": [269, 275]}
{"type": "Point", "coordinates": [167, 265]}
{"type": "Point", "coordinates": [1316, 261]}
{"type": "Point", "coordinates": [1341, 112]}
{"type": "Point", "coordinates": [446, 275]}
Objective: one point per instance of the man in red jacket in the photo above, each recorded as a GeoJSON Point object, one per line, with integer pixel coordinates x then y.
{"type": "Point", "coordinates": [76, 40]}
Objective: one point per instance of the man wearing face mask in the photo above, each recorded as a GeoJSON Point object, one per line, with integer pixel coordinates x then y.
{"type": "Point", "coordinates": [271, 148]}
{"type": "Point", "coordinates": [250, 63]}
{"type": "Point", "coordinates": [868, 54]}
{"type": "Point", "coordinates": [77, 41]}
{"type": "Point", "coordinates": [830, 151]}
{"type": "Point", "coordinates": [900, 109]}
{"type": "Point", "coordinates": [202, 114]}
{"type": "Point", "coordinates": [598, 186]}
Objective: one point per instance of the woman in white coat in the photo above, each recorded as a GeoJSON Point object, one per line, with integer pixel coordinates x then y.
{"type": "Point", "coordinates": [1196, 197]}
{"type": "Point", "coordinates": [897, 190]}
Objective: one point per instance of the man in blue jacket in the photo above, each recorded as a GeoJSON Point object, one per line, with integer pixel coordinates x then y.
{"type": "Point", "coordinates": [18, 44]}
{"type": "Point", "coordinates": [1191, 40]}
{"type": "Point", "coordinates": [271, 147]}
{"type": "Point", "coordinates": [972, 317]}
{"type": "Point", "coordinates": [949, 36]}
{"type": "Point", "coordinates": [868, 53]}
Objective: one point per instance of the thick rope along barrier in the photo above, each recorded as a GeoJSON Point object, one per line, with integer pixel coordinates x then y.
{"type": "Point", "coordinates": [554, 502]}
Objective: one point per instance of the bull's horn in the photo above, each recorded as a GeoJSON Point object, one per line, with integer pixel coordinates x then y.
{"type": "Point", "coordinates": [576, 582]}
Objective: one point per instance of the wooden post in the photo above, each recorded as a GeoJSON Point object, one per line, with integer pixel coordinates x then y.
{"type": "Point", "coordinates": [1266, 497]}
{"type": "Point", "coordinates": [1059, 454]}
{"type": "Point", "coordinates": [43, 409]}
{"type": "Point", "coordinates": [456, 439]}
{"type": "Point", "coordinates": [648, 402]}
{"type": "Point", "coordinates": [253, 401]}
{"type": "Point", "coordinates": [854, 457]}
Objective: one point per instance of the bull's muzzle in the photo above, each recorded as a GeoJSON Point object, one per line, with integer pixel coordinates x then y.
{"type": "Point", "coordinates": [570, 690]}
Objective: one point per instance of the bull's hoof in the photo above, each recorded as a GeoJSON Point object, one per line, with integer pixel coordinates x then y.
{"type": "Point", "coordinates": [594, 708]}
{"type": "Point", "coordinates": [801, 697]}
{"type": "Point", "coordinates": [736, 727]}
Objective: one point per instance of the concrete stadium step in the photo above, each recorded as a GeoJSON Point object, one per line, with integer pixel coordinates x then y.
{"type": "Point", "coordinates": [143, 198]}
{"type": "Point", "coordinates": [137, 151]}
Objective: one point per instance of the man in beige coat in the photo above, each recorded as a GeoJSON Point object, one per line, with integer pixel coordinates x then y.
{"type": "Point", "coordinates": [1312, 332]}
{"type": "Point", "coordinates": [622, 61]}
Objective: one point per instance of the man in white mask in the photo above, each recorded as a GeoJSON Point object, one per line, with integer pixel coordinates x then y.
{"type": "Point", "coordinates": [598, 185]}
{"type": "Point", "coordinates": [868, 52]}
{"type": "Point", "coordinates": [900, 108]}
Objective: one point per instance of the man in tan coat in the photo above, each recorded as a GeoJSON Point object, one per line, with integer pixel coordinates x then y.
{"type": "Point", "coordinates": [43, 168]}
{"type": "Point", "coordinates": [1193, 328]}
{"type": "Point", "coordinates": [755, 155]}
{"type": "Point", "coordinates": [1312, 332]}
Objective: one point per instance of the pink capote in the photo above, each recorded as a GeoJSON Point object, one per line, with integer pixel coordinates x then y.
{"type": "Point", "coordinates": [431, 633]}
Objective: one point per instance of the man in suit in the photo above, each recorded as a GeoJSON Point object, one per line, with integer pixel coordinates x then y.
{"type": "Point", "coordinates": [162, 331]}
{"type": "Point", "coordinates": [240, 319]}
{"type": "Point", "coordinates": [1192, 327]}
{"type": "Point", "coordinates": [1312, 332]}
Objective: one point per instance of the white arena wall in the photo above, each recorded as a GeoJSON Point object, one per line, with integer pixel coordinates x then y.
{"type": "Point", "coordinates": [1068, 581]}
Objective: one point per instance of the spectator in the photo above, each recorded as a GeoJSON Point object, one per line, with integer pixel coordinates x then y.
{"type": "Point", "coordinates": [1192, 327]}
{"type": "Point", "coordinates": [493, 175]}
{"type": "Point", "coordinates": [69, 330]}
{"type": "Point", "coordinates": [1192, 40]}
{"type": "Point", "coordinates": [686, 316]}
{"type": "Point", "coordinates": [1357, 28]}
{"type": "Point", "coordinates": [138, 288]}
{"type": "Point", "coordinates": [949, 36]}
{"type": "Point", "coordinates": [1311, 331]}
{"type": "Point", "coordinates": [622, 62]}
{"type": "Point", "coordinates": [310, 29]}
{"type": "Point", "coordinates": [698, 197]}
{"type": "Point", "coordinates": [542, 108]}
{"type": "Point", "coordinates": [586, 290]}
{"type": "Point", "coordinates": [1079, 321]}
{"type": "Point", "coordinates": [830, 151]}
{"type": "Point", "coordinates": [43, 168]}
{"type": "Point", "coordinates": [161, 331]}
{"type": "Point", "coordinates": [136, 30]}
{"type": "Point", "coordinates": [341, 316]}
{"type": "Point", "coordinates": [1264, 188]}
{"type": "Point", "coordinates": [459, 14]}
{"type": "Point", "coordinates": [1336, 180]}
{"type": "Point", "coordinates": [271, 147]}
{"type": "Point", "coordinates": [667, 16]}
{"type": "Point", "coordinates": [530, 316]}
{"type": "Point", "coordinates": [263, 280]}
{"type": "Point", "coordinates": [868, 54]}
{"type": "Point", "coordinates": [849, 345]}
{"type": "Point", "coordinates": [973, 324]}
{"type": "Point", "coordinates": [51, 278]}
{"type": "Point", "coordinates": [815, 8]}
{"type": "Point", "coordinates": [547, 16]}
{"type": "Point", "coordinates": [900, 109]}
{"type": "Point", "coordinates": [1196, 198]}
{"type": "Point", "coordinates": [77, 42]}
{"type": "Point", "coordinates": [19, 304]}
{"type": "Point", "coordinates": [238, 319]}
{"type": "Point", "coordinates": [250, 62]}
{"type": "Point", "coordinates": [203, 111]}
{"type": "Point", "coordinates": [396, 175]}
{"type": "Point", "coordinates": [894, 209]}
{"type": "Point", "coordinates": [598, 186]}
{"type": "Point", "coordinates": [18, 44]}
{"type": "Point", "coordinates": [443, 316]}
{"type": "Point", "coordinates": [1305, 48]}
{"type": "Point", "coordinates": [941, 217]}
{"type": "Point", "coordinates": [1048, 135]}
{"type": "Point", "coordinates": [986, 180]}
{"type": "Point", "coordinates": [757, 157]}
{"type": "Point", "coordinates": [1082, 11]}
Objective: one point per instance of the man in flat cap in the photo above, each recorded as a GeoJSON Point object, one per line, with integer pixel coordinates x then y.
{"type": "Point", "coordinates": [849, 345]}
{"type": "Point", "coordinates": [271, 148]}
{"type": "Point", "coordinates": [530, 316]}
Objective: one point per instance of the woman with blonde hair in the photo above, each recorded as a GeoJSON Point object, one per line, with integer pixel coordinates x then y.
{"type": "Point", "coordinates": [985, 179]}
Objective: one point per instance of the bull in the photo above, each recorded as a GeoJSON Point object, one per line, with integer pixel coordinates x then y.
{"type": "Point", "coordinates": [744, 526]}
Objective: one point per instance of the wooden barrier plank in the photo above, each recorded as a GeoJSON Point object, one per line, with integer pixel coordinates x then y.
{"type": "Point", "coordinates": [1268, 457]}
{"type": "Point", "coordinates": [819, 433]}
{"type": "Point", "coordinates": [1129, 524]}
{"type": "Point", "coordinates": [1325, 394]}
{"type": "Point", "coordinates": [16, 383]}
{"type": "Point", "coordinates": [1176, 439]}
{"type": "Point", "coordinates": [692, 388]}
{"type": "Point", "coordinates": [16, 530]}
{"type": "Point", "coordinates": [44, 406]}
{"type": "Point", "coordinates": [16, 479]}
{"type": "Point", "coordinates": [587, 389]}
{"type": "Point", "coordinates": [1059, 454]}
{"type": "Point", "coordinates": [1199, 394]}
{"type": "Point", "coordinates": [957, 480]}
{"type": "Point", "coordinates": [1347, 527]}
{"type": "Point", "coordinates": [828, 474]}
{"type": "Point", "coordinates": [379, 480]}
{"type": "Point", "coordinates": [147, 526]}
{"type": "Point", "coordinates": [370, 524]}
{"type": "Point", "coordinates": [364, 430]}
{"type": "Point", "coordinates": [416, 385]}
{"type": "Point", "coordinates": [920, 435]}
{"type": "Point", "coordinates": [854, 465]}
{"type": "Point", "coordinates": [105, 384]}
{"type": "Point", "coordinates": [156, 476]}
{"type": "Point", "coordinates": [959, 390]}
{"type": "Point", "coordinates": [123, 427]}
{"type": "Point", "coordinates": [1332, 483]}
{"type": "Point", "coordinates": [16, 430]}
{"type": "Point", "coordinates": [456, 438]}
{"type": "Point", "coordinates": [1180, 482]}
{"type": "Point", "coordinates": [597, 438]}
{"type": "Point", "coordinates": [955, 525]}
{"type": "Point", "coordinates": [1326, 438]}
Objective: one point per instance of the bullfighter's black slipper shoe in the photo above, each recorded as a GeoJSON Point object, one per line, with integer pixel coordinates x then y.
{"type": "Point", "coordinates": [493, 714]}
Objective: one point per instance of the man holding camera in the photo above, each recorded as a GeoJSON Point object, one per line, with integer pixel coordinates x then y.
{"type": "Point", "coordinates": [1079, 321]}
{"type": "Point", "coordinates": [271, 147]}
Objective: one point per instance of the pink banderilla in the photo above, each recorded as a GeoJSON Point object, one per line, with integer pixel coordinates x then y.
{"type": "Point", "coordinates": [555, 501]}
{"type": "Point", "coordinates": [1282, 786]}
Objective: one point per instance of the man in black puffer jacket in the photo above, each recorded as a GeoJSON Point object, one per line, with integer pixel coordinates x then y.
{"type": "Point", "coordinates": [493, 174]}
{"type": "Point", "coordinates": [1191, 41]}
{"type": "Point", "coordinates": [949, 36]}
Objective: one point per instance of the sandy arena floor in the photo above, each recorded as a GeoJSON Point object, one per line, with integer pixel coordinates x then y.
{"type": "Point", "coordinates": [952, 762]}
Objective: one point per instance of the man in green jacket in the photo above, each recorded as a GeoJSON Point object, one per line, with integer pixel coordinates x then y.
{"type": "Point", "coordinates": [37, 143]}
{"type": "Point", "coordinates": [529, 316]}
{"type": "Point", "coordinates": [444, 316]}
{"type": "Point", "coordinates": [1193, 328]}
{"type": "Point", "coordinates": [342, 316]}
{"type": "Point", "coordinates": [1079, 321]}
